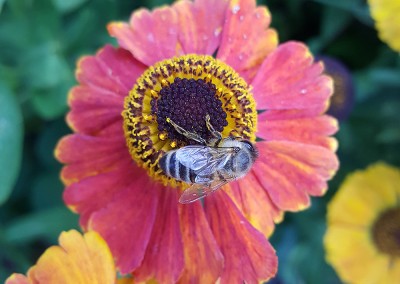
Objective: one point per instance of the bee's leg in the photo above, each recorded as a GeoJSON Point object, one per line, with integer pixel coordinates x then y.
{"type": "Point", "coordinates": [214, 132]}
{"type": "Point", "coordinates": [187, 134]}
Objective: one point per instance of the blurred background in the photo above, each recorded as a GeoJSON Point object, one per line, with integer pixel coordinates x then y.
{"type": "Point", "coordinates": [40, 42]}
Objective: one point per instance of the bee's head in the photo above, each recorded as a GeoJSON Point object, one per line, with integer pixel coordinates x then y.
{"type": "Point", "coordinates": [251, 148]}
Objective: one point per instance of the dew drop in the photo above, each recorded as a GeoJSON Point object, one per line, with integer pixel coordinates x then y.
{"type": "Point", "coordinates": [240, 56]}
{"type": "Point", "coordinates": [150, 37]}
{"type": "Point", "coordinates": [205, 37]}
{"type": "Point", "coordinates": [235, 9]}
{"type": "Point", "coordinates": [258, 15]}
{"type": "Point", "coordinates": [303, 91]}
{"type": "Point", "coordinates": [217, 31]}
{"type": "Point", "coordinates": [241, 18]}
{"type": "Point", "coordinates": [244, 36]}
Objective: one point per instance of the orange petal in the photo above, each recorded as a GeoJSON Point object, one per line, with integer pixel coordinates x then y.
{"type": "Point", "coordinates": [246, 38]}
{"type": "Point", "coordinates": [200, 30]}
{"type": "Point", "coordinates": [126, 223]}
{"type": "Point", "coordinates": [249, 257]}
{"type": "Point", "coordinates": [288, 79]}
{"type": "Point", "coordinates": [105, 79]}
{"type": "Point", "coordinates": [18, 279]}
{"type": "Point", "coordinates": [149, 36]}
{"type": "Point", "coordinates": [94, 193]}
{"type": "Point", "coordinates": [304, 130]}
{"type": "Point", "coordinates": [89, 155]}
{"type": "Point", "coordinates": [163, 260]}
{"type": "Point", "coordinates": [203, 258]}
{"type": "Point", "coordinates": [290, 172]}
{"type": "Point", "coordinates": [254, 203]}
{"type": "Point", "coordinates": [78, 259]}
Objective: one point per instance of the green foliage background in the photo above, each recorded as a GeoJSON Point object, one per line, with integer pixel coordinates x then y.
{"type": "Point", "coordinates": [40, 42]}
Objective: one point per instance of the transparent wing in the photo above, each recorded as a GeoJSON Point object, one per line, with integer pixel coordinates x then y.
{"type": "Point", "coordinates": [197, 191]}
{"type": "Point", "coordinates": [194, 157]}
{"type": "Point", "coordinates": [204, 160]}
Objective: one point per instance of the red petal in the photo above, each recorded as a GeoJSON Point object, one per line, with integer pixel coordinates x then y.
{"type": "Point", "coordinates": [94, 193]}
{"type": "Point", "coordinates": [288, 79]}
{"type": "Point", "coordinates": [254, 203]}
{"type": "Point", "coordinates": [105, 80]}
{"type": "Point", "coordinates": [127, 222]}
{"type": "Point", "coordinates": [249, 257]}
{"type": "Point", "coordinates": [164, 255]}
{"type": "Point", "coordinates": [203, 258]}
{"type": "Point", "coordinates": [149, 36]}
{"type": "Point", "coordinates": [89, 155]}
{"type": "Point", "coordinates": [291, 171]}
{"type": "Point", "coordinates": [246, 39]}
{"type": "Point", "coordinates": [312, 130]}
{"type": "Point", "coordinates": [200, 30]}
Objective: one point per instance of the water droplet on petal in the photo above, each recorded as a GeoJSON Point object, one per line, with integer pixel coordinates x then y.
{"type": "Point", "coordinates": [258, 15]}
{"type": "Point", "coordinates": [303, 91]}
{"type": "Point", "coordinates": [241, 18]}
{"type": "Point", "coordinates": [240, 56]}
{"type": "Point", "coordinates": [244, 36]}
{"type": "Point", "coordinates": [150, 37]}
{"type": "Point", "coordinates": [205, 37]}
{"type": "Point", "coordinates": [217, 31]}
{"type": "Point", "coordinates": [235, 9]}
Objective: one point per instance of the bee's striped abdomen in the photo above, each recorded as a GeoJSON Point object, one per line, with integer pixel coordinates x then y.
{"type": "Point", "coordinates": [173, 168]}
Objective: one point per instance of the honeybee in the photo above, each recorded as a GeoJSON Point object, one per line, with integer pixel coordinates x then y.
{"type": "Point", "coordinates": [209, 165]}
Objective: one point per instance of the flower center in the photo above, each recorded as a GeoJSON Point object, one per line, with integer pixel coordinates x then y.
{"type": "Point", "coordinates": [386, 232]}
{"type": "Point", "coordinates": [187, 102]}
{"type": "Point", "coordinates": [184, 90]}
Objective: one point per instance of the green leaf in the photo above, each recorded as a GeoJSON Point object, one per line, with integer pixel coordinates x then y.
{"type": "Point", "coordinates": [67, 6]}
{"type": "Point", "coordinates": [11, 135]}
{"type": "Point", "coordinates": [44, 224]}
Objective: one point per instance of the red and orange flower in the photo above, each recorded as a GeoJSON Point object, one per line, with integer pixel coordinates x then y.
{"type": "Point", "coordinates": [271, 94]}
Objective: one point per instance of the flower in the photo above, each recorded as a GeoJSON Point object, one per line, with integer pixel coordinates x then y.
{"type": "Point", "coordinates": [342, 101]}
{"type": "Point", "coordinates": [363, 236]}
{"type": "Point", "coordinates": [385, 13]}
{"type": "Point", "coordinates": [78, 259]}
{"type": "Point", "coordinates": [164, 69]}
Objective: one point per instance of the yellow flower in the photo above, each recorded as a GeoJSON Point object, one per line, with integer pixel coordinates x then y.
{"type": "Point", "coordinates": [387, 21]}
{"type": "Point", "coordinates": [78, 259]}
{"type": "Point", "coordinates": [363, 236]}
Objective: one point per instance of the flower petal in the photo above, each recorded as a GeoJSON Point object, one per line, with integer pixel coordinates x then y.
{"type": "Point", "coordinates": [291, 171]}
{"type": "Point", "coordinates": [304, 130]}
{"type": "Point", "coordinates": [88, 155]}
{"type": "Point", "coordinates": [249, 257]}
{"type": "Point", "coordinates": [200, 30]}
{"type": "Point", "coordinates": [246, 38]}
{"type": "Point", "coordinates": [288, 79]}
{"type": "Point", "coordinates": [163, 260]}
{"type": "Point", "coordinates": [203, 258]}
{"type": "Point", "coordinates": [255, 204]}
{"type": "Point", "coordinates": [94, 193]}
{"type": "Point", "coordinates": [127, 221]}
{"type": "Point", "coordinates": [78, 259]}
{"type": "Point", "coordinates": [105, 79]}
{"type": "Point", "coordinates": [354, 256]}
{"type": "Point", "coordinates": [364, 208]}
{"type": "Point", "coordinates": [17, 278]}
{"type": "Point", "coordinates": [149, 36]}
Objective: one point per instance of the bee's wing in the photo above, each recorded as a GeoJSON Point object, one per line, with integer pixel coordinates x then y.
{"type": "Point", "coordinates": [197, 190]}
{"type": "Point", "coordinates": [194, 157]}
{"type": "Point", "coordinates": [203, 160]}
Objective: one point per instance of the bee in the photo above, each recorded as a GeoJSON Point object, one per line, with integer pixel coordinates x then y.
{"type": "Point", "coordinates": [210, 164]}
